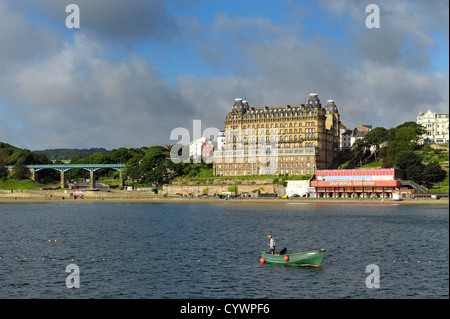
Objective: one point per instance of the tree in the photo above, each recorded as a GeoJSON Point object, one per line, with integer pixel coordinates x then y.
{"type": "Point", "coordinates": [121, 155]}
{"type": "Point", "coordinates": [433, 173]}
{"type": "Point", "coordinates": [418, 128]}
{"type": "Point", "coordinates": [415, 173]}
{"type": "Point", "coordinates": [132, 168]}
{"type": "Point", "coordinates": [359, 145]}
{"type": "Point", "coordinates": [405, 159]}
{"type": "Point", "coordinates": [20, 171]}
{"type": "Point", "coordinates": [3, 170]}
{"type": "Point", "coordinates": [377, 136]}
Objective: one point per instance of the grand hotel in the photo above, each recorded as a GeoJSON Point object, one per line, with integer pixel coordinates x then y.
{"type": "Point", "coordinates": [289, 139]}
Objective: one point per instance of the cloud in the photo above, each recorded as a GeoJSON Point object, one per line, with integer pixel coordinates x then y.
{"type": "Point", "coordinates": [59, 92]}
{"type": "Point", "coordinates": [76, 97]}
{"type": "Point", "coordinates": [383, 77]}
{"type": "Point", "coordinates": [20, 41]}
{"type": "Point", "coordinates": [119, 21]}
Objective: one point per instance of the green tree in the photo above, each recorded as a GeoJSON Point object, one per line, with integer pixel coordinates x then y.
{"type": "Point", "coordinates": [20, 171]}
{"type": "Point", "coordinates": [405, 159]}
{"type": "Point", "coordinates": [433, 173]}
{"type": "Point", "coordinates": [414, 173]}
{"type": "Point", "coordinates": [377, 136]}
{"type": "Point", "coordinates": [132, 169]}
{"type": "Point", "coordinates": [121, 155]}
{"type": "Point", "coordinates": [3, 170]}
{"type": "Point", "coordinates": [359, 145]}
{"type": "Point", "coordinates": [418, 128]}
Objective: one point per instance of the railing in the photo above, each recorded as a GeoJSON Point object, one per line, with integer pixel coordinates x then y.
{"type": "Point", "coordinates": [66, 167]}
{"type": "Point", "coordinates": [417, 187]}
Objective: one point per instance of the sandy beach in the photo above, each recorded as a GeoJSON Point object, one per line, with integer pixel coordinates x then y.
{"type": "Point", "coordinates": [213, 200]}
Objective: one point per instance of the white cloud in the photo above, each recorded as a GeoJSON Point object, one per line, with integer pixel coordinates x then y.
{"type": "Point", "coordinates": [57, 93]}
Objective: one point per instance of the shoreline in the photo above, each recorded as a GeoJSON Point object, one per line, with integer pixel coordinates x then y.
{"type": "Point", "coordinates": [238, 201]}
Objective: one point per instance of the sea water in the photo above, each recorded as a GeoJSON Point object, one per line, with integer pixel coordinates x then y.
{"type": "Point", "coordinates": [212, 250]}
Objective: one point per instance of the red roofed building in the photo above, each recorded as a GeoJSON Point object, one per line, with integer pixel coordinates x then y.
{"type": "Point", "coordinates": [357, 183]}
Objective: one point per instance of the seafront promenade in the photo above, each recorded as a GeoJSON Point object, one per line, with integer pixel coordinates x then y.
{"type": "Point", "coordinates": [127, 196]}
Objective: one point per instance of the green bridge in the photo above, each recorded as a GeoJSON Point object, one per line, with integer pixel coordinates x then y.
{"type": "Point", "coordinates": [63, 168]}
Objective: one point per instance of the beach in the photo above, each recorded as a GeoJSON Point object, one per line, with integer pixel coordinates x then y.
{"type": "Point", "coordinates": [123, 197]}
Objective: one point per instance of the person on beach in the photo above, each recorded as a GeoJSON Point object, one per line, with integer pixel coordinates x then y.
{"type": "Point", "coordinates": [271, 244]}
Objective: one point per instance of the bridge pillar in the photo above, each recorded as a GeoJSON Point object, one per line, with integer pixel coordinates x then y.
{"type": "Point", "coordinates": [34, 175]}
{"type": "Point", "coordinates": [120, 179]}
{"type": "Point", "coordinates": [92, 179]}
{"type": "Point", "coordinates": [63, 179]}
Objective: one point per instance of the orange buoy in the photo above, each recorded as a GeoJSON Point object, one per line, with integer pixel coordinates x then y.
{"type": "Point", "coordinates": [262, 261]}
{"type": "Point", "coordinates": [286, 258]}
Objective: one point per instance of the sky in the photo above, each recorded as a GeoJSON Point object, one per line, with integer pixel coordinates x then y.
{"type": "Point", "coordinates": [135, 70]}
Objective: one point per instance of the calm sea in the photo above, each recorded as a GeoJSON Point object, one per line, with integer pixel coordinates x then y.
{"type": "Point", "coordinates": [196, 251]}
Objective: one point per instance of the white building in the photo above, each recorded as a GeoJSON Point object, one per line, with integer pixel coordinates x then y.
{"type": "Point", "coordinates": [221, 140]}
{"type": "Point", "coordinates": [349, 137]}
{"type": "Point", "coordinates": [299, 188]}
{"type": "Point", "coordinates": [346, 135]}
{"type": "Point", "coordinates": [201, 147]}
{"type": "Point", "coordinates": [436, 126]}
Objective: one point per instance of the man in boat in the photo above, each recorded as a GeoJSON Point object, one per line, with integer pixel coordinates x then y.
{"type": "Point", "coordinates": [271, 244]}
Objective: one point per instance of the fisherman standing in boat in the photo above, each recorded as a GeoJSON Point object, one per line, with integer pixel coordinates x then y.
{"type": "Point", "coordinates": [271, 245]}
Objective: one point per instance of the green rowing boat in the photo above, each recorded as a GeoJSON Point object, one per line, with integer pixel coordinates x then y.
{"type": "Point", "coordinates": [310, 258]}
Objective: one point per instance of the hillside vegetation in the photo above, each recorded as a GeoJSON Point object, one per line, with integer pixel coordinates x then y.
{"type": "Point", "coordinates": [398, 148]}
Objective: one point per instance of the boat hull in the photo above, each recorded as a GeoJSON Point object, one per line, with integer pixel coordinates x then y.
{"type": "Point", "coordinates": [307, 259]}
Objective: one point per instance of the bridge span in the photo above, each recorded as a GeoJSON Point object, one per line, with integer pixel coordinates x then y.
{"type": "Point", "coordinates": [63, 168]}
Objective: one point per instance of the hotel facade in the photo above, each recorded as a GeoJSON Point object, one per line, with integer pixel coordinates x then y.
{"type": "Point", "coordinates": [272, 140]}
